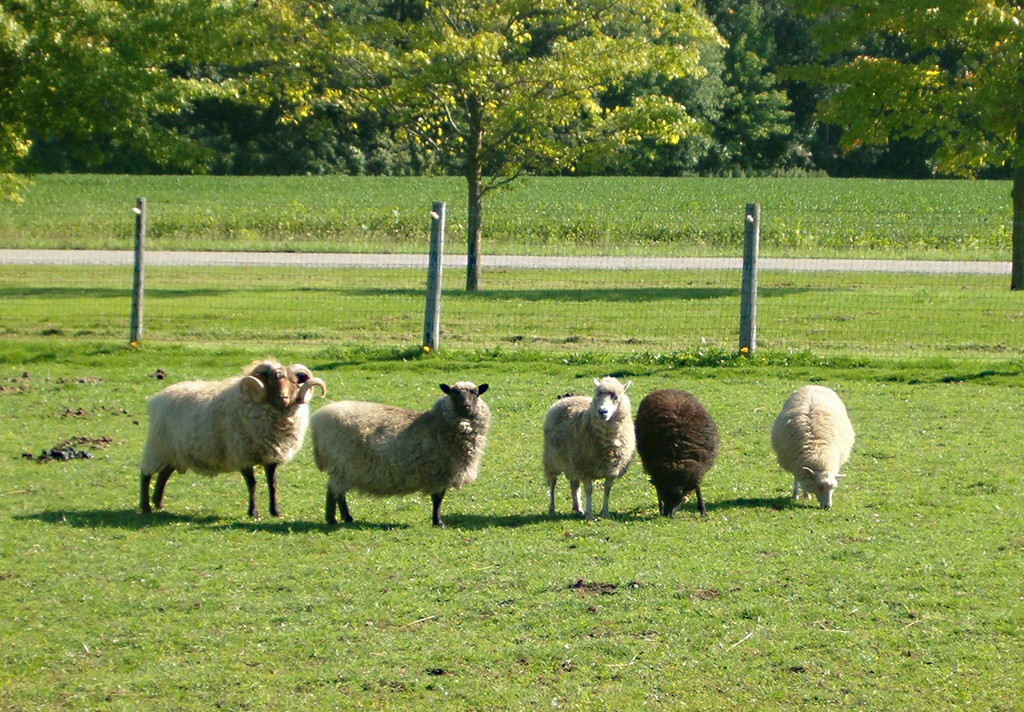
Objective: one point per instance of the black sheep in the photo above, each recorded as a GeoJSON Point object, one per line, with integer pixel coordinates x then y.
{"type": "Point", "coordinates": [677, 440]}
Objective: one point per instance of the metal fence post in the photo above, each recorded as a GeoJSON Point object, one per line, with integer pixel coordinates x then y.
{"type": "Point", "coordinates": [748, 288]}
{"type": "Point", "coordinates": [138, 280]}
{"type": "Point", "coordinates": [432, 318]}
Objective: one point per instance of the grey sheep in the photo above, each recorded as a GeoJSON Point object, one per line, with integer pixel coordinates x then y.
{"type": "Point", "coordinates": [677, 440]}
{"type": "Point", "coordinates": [259, 418]}
{"type": "Point", "coordinates": [813, 438]}
{"type": "Point", "coordinates": [589, 438]}
{"type": "Point", "coordinates": [385, 450]}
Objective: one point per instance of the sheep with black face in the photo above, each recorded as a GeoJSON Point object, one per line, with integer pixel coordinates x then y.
{"type": "Point", "coordinates": [259, 418]}
{"type": "Point", "coordinates": [385, 450]}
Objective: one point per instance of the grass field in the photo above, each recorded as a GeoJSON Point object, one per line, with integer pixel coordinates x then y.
{"type": "Point", "coordinates": [907, 594]}
{"type": "Point", "coordinates": [804, 217]}
{"type": "Point", "coordinates": [630, 313]}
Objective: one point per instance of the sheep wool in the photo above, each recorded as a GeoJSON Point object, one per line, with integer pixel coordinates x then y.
{"type": "Point", "coordinates": [589, 438]}
{"type": "Point", "coordinates": [813, 438]}
{"type": "Point", "coordinates": [678, 442]}
{"type": "Point", "coordinates": [259, 418]}
{"type": "Point", "coordinates": [384, 450]}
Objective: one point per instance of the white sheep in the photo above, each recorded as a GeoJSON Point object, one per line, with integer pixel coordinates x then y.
{"type": "Point", "coordinates": [384, 450]}
{"type": "Point", "coordinates": [813, 438]}
{"type": "Point", "coordinates": [589, 438]}
{"type": "Point", "coordinates": [259, 418]}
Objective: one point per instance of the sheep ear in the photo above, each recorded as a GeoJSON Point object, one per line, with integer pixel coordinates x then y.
{"type": "Point", "coordinates": [252, 388]}
{"type": "Point", "coordinates": [481, 389]}
{"type": "Point", "coordinates": [628, 384]}
{"type": "Point", "coordinates": [446, 389]}
{"type": "Point", "coordinates": [597, 382]}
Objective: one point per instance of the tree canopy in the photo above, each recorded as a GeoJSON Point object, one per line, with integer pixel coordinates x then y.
{"type": "Point", "coordinates": [510, 86]}
{"type": "Point", "coordinates": [950, 74]}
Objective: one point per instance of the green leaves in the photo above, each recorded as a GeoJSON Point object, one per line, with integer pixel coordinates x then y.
{"type": "Point", "coordinates": [949, 73]}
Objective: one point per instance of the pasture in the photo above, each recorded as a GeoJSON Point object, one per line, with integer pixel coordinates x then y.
{"type": "Point", "coordinates": [907, 594]}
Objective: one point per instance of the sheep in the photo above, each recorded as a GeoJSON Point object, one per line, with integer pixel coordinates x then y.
{"type": "Point", "coordinates": [677, 440]}
{"type": "Point", "coordinates": [589, 438]}
{"type": "Point", "coordinates": [385, 450]}
{"type": "Point", "coordinates": [813, 438]}
{"type": "Point", "coordinates": [259, 418]}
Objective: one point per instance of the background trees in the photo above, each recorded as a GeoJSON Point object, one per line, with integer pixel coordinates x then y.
{"type": "Point", "coordinates": [948, 78]}
{"type": "Point", "coordinates": [496, 89]}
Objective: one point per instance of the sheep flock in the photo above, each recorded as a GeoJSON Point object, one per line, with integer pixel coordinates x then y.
{"type": "Point", "coordinates": [261, 418]}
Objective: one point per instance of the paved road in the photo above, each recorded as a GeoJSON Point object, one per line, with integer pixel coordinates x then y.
{"type": "Point", "coordinates": [292, 259]}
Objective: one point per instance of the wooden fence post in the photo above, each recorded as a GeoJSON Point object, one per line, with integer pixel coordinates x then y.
{"type": "Point", "coordinates": [138, 280]}
{"type": "Point", "coordinates": [748, 288]}
{"type": "Point", "coordinates": [432, 318]}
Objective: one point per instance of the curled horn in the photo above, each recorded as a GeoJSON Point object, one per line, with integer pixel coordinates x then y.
{"type": "Point", "coordinates": [305, 378]}
{"type": "Point", "coordinates": [253, 389]}
{"type": "Point", "coordinates": [304, 396]}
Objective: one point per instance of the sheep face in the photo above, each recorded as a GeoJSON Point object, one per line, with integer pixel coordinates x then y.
{"type": "Point", "coordinates": [608, 397]}
{"type": "Point", "coordinates": [822, 485]}
{"type": "Point", "coordinates": [464, 396]}
{"type": "Point", "coordinates": [278, 386]}
{"type": "Point", "coordinates": [671, 497]}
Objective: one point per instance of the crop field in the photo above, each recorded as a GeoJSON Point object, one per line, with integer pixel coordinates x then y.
{"type": "Point", "coordinates": [803, 217]}
{"type": "Point", "coordinates": [907, 594]}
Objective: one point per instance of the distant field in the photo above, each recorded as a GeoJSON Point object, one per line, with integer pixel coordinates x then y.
{"type": "Point", "coordinates": [807, 217]}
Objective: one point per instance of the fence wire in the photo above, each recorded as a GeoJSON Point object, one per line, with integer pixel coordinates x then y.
{"type": "Point", "coordinates": [565, 303]}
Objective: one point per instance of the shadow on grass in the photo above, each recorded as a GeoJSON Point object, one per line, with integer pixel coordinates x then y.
{"type": "Point", "coordinates": [781, 503]}
{"type": "Point", "coordinates": [474, 522]}
{"type": "Point", "coordinates": [284, 526]}
{"type": "Point", "coordinates": [589, 294]}
{"type": "Point", "coordinates": [115, 518]}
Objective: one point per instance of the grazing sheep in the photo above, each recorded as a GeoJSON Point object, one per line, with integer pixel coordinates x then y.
{"type": "Point", "coordinates": [677, 440]}
{"type": "Point", "coordinates": [383, 450]}
{"type": "Point", "coordinates": [259, 418]}
{"type": "Point", "coordinates": [812, 438]}
{"type": "Point", "coordinates": [589, 438]}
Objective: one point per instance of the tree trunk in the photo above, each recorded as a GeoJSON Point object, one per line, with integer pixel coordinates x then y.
{"type": "Point", "coordinates": [1017, 195]}
{"type": "Point", "coordinates": [475, 181]}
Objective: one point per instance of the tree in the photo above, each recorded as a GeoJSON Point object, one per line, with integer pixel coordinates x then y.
{"type": "Point", "coordinates": [101, 72]}
{"type": "Point", "coordinates": [504, 87]}
{"type": "Point", "coordinates": [950, 73]}
{"type": "Point", "coordinates": [755, 129]}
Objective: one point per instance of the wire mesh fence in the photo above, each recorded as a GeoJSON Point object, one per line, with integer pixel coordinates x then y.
{"type": "Point", "coordinates": [564, 303]}
{"type": "Point", "coordinates": [618, 265]}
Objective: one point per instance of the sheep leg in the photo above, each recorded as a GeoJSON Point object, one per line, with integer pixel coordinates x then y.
{"type": "Point", "coordinates": [330, 513]}
{"type": "Point", "coordinates": [250, 482]}
{"type": "Point", "coordinates": [271, 470]}
{"type": "Point", "coordinates": [158, 488]}
{"type": "Point", "coordinates": [588, 489]}
{"type": "Point", "coordinates": [144, 494]}
{"type": "Point", "coordinates": [345, 514]}
{"type": "Point", "coordinates": [574, 490]}
{"type": "Point", "coordinates": [796, 488]}
{"type": "Point", "coordinates": [700, 504]}
{"type": "Point", "coordinates": [552, 481]}
{"type": "Point", "coordinates": [436, 498]}
{"type": "Point", "coordinates": [607, 493]}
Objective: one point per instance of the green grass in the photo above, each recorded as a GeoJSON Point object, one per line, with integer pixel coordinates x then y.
{"type": "Point", "coordinates": [905, 595]}
{"type": "Point", "coordinates": [627, 216]}
{"type": "Point", "coordinates": [635, 314]}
